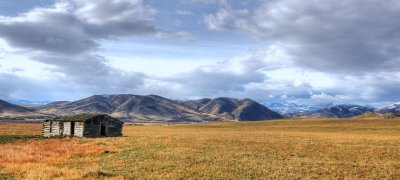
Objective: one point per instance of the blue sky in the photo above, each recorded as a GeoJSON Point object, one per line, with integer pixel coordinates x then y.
{"type": "Point", "coordinates": [272, 51]}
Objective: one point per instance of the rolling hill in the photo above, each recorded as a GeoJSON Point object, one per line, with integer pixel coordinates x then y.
{"type": "Point", "coordinates": [11, 110]}
{"type": "Point", "coordinates": [375, 115]}
{"type": "Point", "coordinates": [153, 108]}
{"type": "Point", "coordinates": [230, 108]}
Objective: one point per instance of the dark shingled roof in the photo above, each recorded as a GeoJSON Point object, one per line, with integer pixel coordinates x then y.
{"type": "Point", "coordinates": [77, 118]}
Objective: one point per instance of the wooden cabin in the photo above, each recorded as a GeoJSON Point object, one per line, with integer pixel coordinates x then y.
{"type": "Point", "coordinates": [83, 125]}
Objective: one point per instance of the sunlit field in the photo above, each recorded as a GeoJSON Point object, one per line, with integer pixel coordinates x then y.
{"type": "Point", "coordinates": [285, 149]}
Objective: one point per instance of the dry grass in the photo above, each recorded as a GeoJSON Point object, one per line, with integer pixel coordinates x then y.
{"type": "Point", "coordinates": [51, 151]}
{"type": "Point", "coordinates": [287, 149]}
{"type": "Point", "coordinates": [20, 129]}
{"type": "Point", "coordinates": [32, 157]}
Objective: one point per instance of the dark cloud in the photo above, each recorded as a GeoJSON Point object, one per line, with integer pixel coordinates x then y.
{"type": "Point", "coordinates": [66, 36]}
{"type": "Point", "coordinates": [72, 27]}
{"type": "Point", "coordinates": [348, 36]}
{"type": "Point", "coordinates": [354, 42]}
{"type": "Point", "coordinates": [54, 39]}
{"type": "Point", "coordinates": [91, 72]}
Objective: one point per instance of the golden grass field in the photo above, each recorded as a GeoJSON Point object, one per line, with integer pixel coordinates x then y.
{"type": "Point", "coordinates": [284, 149]}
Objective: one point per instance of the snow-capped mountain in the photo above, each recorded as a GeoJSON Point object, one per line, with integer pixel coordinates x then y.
{"type": "Point", "coordinates": [287, 108]}
{"type": "Point", "coordinates": [335, 111]}
{"type": "Point", "coordinates": [393, 108]}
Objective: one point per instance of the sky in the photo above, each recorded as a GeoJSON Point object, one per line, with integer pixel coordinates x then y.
{"type": "Point", "coordinates": [303, 52]}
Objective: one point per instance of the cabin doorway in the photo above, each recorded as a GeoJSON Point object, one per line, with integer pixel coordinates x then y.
{"type": "Point", "coordinates": [72, 128]}
{"type": "Point", "coordinates": [102, 129]}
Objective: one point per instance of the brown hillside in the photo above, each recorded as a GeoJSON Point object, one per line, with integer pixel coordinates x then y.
{"type": "Point", "coordinates": [375, 115]}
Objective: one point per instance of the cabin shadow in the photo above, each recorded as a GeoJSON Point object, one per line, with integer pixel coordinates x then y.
{"type": "Point", "coordinates": [83, 125]}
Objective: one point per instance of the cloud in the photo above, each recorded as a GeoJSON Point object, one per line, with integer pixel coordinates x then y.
{"type": "Point", "coordinates": [268, 73]}
{"type": "Point", "coordinates": [379, 87]}
{"type": "Point", "coordinates": [222, 2]}
{"type": "Point", "coordinates": [183, 12]}
{"type": "Point", "coordinates": [73, 27]}
{"type": "Point", "coordinates": [14, 70]}
{"type": "Point", "coordinates": [223, 78]}
{"type": "Point", "coordinates": [67, 36]}
{"type": "Point", "coordinates": [368, 89]}
{"type": "Point", "coordinates": [241, 77]}
{"type": "Point", "coordinates": [184, 36]}
{"type": "Point", "coordinates": [347, 36]}
{"type": "Point", "coordinates": [313, 52]}
{"type": "Point", "coordinates": [18, 87]}
{"type": "Point", "coordinates": [208, 82]}
{"type": "Point", "coordinates": [10, 84]}
{"type": "Point", "coordinates": [92, 72]}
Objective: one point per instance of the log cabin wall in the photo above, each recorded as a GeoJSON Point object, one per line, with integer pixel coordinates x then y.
{"type": "Point", "coordinates": [46, 129]}
{"type": "Point", "coordinates": [79, 127]}
{"type": "Point", "coordinates": [113, 127]}
{"type": "Point", "coordinates": [67, 129]}
{"type": "Point", "coordinates": [52, 128]}
{"type": "Point", "coordinates": [95, 126]}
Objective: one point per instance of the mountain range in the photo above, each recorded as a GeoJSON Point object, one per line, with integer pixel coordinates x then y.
{"type": "Point", "coordinates": [393, 108]}
{"type": "Point", "coordinates": [229, 108]}
{"type": "Point", "coordinates": [153, 108]}
{"type": "Point", "coordinates": [335, 111]}
{"type": "Point", "coordinates": [8, 110]}
{"type": "Point", "coordinates": [346, 111]}
{"type": "Point", "coordinates": [287, 108]}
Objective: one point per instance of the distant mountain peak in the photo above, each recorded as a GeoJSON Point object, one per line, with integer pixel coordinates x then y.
{"type": "Point", "coordinates": [12, 110]}
{"type": "Point", "coordinates": [237, 109]}
{"type": "Point", "coordinates": [336, 111]}
{"type": "Point", "coordinates": [392, 108]}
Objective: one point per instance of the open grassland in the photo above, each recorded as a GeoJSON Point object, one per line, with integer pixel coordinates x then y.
{"type": "Point", "coordinates": [285, 149]}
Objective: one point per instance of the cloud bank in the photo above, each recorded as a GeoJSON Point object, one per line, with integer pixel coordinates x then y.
{"type": "Point", "coordinates": [312, 52]}
{"type": "Point", "coordinates": [346, 36]}
{"type": "Point", "coordinates": [356, 41]}
{"type": "Point", "coordinates": [67, 37]}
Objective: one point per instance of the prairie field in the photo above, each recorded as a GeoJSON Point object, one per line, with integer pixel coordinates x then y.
{"type": "Point", "coordinates": [284, 149]}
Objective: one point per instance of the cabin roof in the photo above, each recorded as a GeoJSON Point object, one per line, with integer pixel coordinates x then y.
{"type": "Point", "coordinates": [78, 117]}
